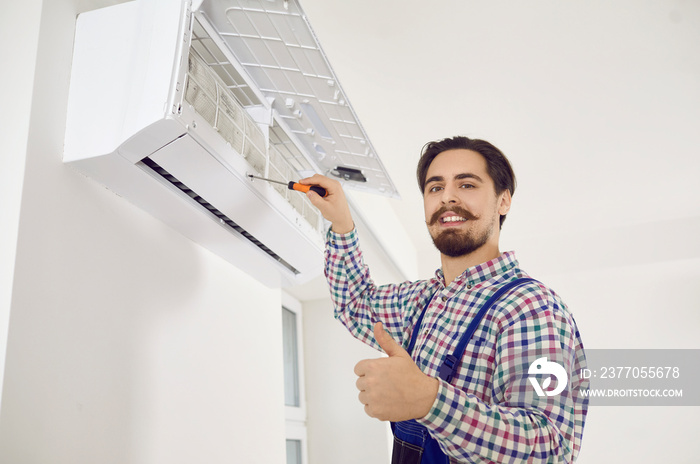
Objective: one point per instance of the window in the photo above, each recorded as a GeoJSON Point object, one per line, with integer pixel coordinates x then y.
{"type": "Point", "coordinates": [293, 451]}
{"type": "Point", "coordinates": [294, 401]}
{"type": "Point", "coordinates": [291, 358]}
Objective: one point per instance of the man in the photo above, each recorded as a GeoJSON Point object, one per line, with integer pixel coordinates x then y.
{"type": "Point", "coordinates": [480, 406]}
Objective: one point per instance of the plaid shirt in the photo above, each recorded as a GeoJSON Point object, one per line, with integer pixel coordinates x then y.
{"type": "Point", "coordinates": [484, 415]}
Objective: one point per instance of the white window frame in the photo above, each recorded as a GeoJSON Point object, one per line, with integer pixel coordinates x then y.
{"type": "Point", "coordinates": [297, 431]}
{"type": "Point", "coordinates": [295, 416]}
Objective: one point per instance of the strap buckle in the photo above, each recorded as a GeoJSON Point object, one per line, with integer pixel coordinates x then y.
{"type": "Point", "coordinates": [447, 368]}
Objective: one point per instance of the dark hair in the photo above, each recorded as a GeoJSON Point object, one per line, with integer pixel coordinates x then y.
{"type": "Point", "coordinates": [498, 166]}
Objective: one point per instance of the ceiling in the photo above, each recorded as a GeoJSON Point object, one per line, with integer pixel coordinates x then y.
{"type": "Point", "coordinates": [596, 103]}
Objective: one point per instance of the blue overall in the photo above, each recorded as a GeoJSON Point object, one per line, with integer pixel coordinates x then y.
{"type": "Point", "coordinates": [413, 443]}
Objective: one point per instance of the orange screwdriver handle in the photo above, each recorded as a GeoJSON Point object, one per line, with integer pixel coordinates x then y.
{"type": "Point", "coordinates": [305, 188]}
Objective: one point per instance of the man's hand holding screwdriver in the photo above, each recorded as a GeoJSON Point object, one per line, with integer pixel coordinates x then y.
{"type": "Point", "coordinates": [334, 206]}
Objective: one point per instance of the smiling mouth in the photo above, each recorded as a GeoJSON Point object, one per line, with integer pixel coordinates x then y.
{"type": "Point", "coordinates": [450, 216]}
{"type": "Point", "coordinates": [452, 219]}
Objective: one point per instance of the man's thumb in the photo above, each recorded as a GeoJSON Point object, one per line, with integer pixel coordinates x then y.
{"type": "Point", "coordinates": [387, 343]}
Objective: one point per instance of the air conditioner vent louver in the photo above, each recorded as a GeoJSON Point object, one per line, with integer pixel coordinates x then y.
{"type": "Point", "coordinates": [212, 209]}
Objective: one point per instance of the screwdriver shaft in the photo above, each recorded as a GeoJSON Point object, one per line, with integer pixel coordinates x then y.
{"type": "Point", "coordinates": [295, 186]}
{"type": "Point", "coordinates": [269, 180]}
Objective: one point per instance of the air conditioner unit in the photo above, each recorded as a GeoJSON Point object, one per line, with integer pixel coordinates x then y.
{"type": "Point", "coordinates": [172, 104]}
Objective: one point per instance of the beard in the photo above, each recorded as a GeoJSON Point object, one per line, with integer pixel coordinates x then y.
{"type": "Point", "coordinates": [455, 243]}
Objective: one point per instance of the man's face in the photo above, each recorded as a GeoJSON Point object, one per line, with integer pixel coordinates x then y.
{"type": "Point", "coordinates": [462, 209]}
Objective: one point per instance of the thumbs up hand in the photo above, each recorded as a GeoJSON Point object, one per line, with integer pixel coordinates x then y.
{"type": "Point", "coordinates": [394, 388]}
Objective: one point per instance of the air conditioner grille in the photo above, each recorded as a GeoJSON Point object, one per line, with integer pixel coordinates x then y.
{"type": "Point", "coordinates": [221, 217]}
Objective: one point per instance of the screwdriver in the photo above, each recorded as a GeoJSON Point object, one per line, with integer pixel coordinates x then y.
{"type": "Point", "coordinates": [296, 186]}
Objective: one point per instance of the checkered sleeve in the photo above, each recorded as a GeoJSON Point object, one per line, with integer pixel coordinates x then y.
{"type": "Point", "coordinates": [510, 422]}
{"type": "Point", "coordinates": [358, 302]}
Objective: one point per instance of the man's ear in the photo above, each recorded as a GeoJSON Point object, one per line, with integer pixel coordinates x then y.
{"type": "Point", "coordinates": [504, 202]}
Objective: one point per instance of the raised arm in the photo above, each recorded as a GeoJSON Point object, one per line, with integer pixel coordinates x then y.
{"type": "Point", "coordinates": [359, 303]}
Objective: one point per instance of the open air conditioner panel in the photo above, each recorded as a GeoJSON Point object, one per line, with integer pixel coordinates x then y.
{"type": "Point", "coordinates": [198, 96]}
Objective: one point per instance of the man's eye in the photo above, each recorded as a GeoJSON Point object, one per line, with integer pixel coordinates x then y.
{"type": "Point", "coordinates": [467, 186]}
{"type": "Point", "coordinates": [434, 188]}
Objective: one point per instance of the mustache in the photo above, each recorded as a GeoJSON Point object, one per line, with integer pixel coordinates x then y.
{"type": "Point", "coordinates": [454, 209]}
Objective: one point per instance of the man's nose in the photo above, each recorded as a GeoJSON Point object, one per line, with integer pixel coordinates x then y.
{"type": "Point", "coordinates": [449, 195]}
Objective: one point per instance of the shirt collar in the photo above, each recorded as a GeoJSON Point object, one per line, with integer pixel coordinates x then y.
{"type": "Point", "coordinates": [484, 271]}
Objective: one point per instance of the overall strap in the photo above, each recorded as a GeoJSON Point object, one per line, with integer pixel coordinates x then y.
{"type": "Point", "coordinates": [449, 365]}
{"type": "Point", "coordinates": [416, 327]}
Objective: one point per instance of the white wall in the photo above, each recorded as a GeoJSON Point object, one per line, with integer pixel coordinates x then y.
{"type": "Point", "coordinates": [18, 45]}
{"type": "Point", "coordinates": [339, 430]}
{"type": "Point", "coordinates": [127, 342]}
